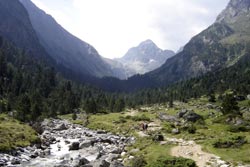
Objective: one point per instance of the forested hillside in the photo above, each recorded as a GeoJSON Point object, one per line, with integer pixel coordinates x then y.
{"type": "Point", "coordinates": [30, 89]}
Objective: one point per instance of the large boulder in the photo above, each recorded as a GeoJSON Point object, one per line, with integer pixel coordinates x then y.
{"type": "Point", "coordinates": [15, 161]}
{"type": "Point", "coordinates": [74, 146]}
{"type": "Point", "coordinates": [181, 113]}
{"type": "Point", "coordinates": [168, 118]}
{"type": "Point", "coordinates": [112, 157]}
{"type": "Point", "coordinates": [116, 164]}
{"type": "Point", "coordinates": [100, 163]}
{"type": "Point", "coordinates": [83, 161]}
{"type": "Point", "coordinates": [246, 115]}
{"type": "Point", "coordinates": [158, 137]}
{"type": "Point", "coordinates": [189, 115]}
{"type": "Point", "coordinates": [86, 143]}
{"type": "Point", "coordinates": [60, 127]}
{"type": "Point", "coordinates": [248, 97]}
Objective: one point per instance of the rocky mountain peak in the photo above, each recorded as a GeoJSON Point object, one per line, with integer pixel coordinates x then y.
{"type": "Point", "coordinates": [147, 44]}
{"type": "Point", "coordinates": [234, 9]}
{"type": "Point", "coordinates": [146, 57]}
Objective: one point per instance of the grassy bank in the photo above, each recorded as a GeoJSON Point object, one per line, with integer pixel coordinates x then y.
{"type": "Point", "coordinates": [15, 134]}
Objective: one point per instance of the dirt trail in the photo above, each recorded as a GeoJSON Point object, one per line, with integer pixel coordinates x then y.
{"type": "Point", "coordinates": [186, 149]}
{"type": "Point", "coordinates": [194, 151]}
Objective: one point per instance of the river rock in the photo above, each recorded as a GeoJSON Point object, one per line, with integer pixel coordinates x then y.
{"type": "Point", "coordinates": [112, 157]}
{"type": "Point", "coordinates": [248, 97]}
{"type": "Point", "coordinates": [15, 161]}
{"type": "Point", "coordinates": [99, 147]}
{"type": "Point", "coordinates": [74, 146]}
{"type": "Point", "coordinates": [86, 143]}
{"type": "Point", "coordinates": [83, 161]}
{"type": "Point", "coordinates": [3, 161]}
{"type": "Point", "coordinates": [175, 131]}
{"type": "Point", "coordinates": [100, 163]}
{"type": "Point", "coordinates": [116, 164]}
{"type": "Point", "coordinates": [123, 154]}
{"type": "Point", "coordinates": [116, 150]}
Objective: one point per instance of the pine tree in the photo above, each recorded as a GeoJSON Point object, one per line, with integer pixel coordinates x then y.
{"type": "Point", "coordinates": [23, 108]}
{"type": "Point", "coordinates": [74, 116]}
{"type": "Point", "coordinates": [229, 105]}
{"type": "Point", "coordinates": [212, 98]}
{"type": "Point", "coordinates": [91, 106]}
{"type": "Point", "coordinates": [111, 104]}
{"type": "Point", "coordinates": [170, 101]}
{"type": "Point", "coordinates": [3, 66]}
{"type": "Point", "coordinates": [119, 105]}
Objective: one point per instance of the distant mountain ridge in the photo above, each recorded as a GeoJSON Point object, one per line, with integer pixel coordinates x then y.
{"type": "Point", "coordinates": [65, 48]}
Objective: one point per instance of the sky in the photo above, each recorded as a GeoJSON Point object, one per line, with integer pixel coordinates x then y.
{"type": "Point", "coordinates": [114, 26]}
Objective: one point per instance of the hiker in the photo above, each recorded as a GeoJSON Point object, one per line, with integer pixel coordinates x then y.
{"type": "Point", "coordinates": [144, 126]}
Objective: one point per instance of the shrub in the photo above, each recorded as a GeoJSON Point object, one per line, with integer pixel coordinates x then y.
{"type": "Point", "coordinates": [121, 120]}
{"type": "Point", "coordinates": [74, 116]}
{"type": "Point", "coordinates": [138, 162]}
{"type": "Point", "coordinates": [233, 142]}
{"type": "Point", "coordinates": [229, 105]}
{"type": "Point", "coordinates": [156, 135]}
{"type": "Point", "coordinates": [143, 117]}
{"type": "Point", "coordinates": [239, 128]}
{"type": "Point", "coordinates": [167, 127]}
{"type": "Point", "coordinates": [212, 98]}
{"type": "Point", "coordinates": [172, 162]}
{"type": "Point", "coordinates": [191, 129]}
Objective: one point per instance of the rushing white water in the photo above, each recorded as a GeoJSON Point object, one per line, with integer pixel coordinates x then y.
{"type": "Point", "coordinates": [59, 152]}
{"type": "Point", "coordinates": [90, 147]}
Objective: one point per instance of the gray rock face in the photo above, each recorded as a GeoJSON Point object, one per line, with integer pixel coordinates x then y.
{"type": "Point", "coordinates": [234, 9]}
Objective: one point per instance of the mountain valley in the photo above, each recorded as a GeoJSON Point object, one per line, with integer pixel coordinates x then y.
{"type": "Point", "coordinates": [63, 104]}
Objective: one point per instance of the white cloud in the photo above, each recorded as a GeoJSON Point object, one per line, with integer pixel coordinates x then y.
{"type": "Point", "coordinates": [113, 26]}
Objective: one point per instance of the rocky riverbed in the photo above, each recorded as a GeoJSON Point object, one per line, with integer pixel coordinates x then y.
{"type": "Point", "coordinates": [65, 145]}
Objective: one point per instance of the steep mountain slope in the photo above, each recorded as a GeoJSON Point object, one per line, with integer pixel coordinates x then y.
{"type": "Point", "coordinates": [219, 46]}
{"type": "Point", "coordinates": [16, 27]}
{"type": "Point", "coordinates": [117, 67]}
{"type": "Point", "coordinates": [144, 58]}
{"type": "Point", "coordinates": [65, 48]}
